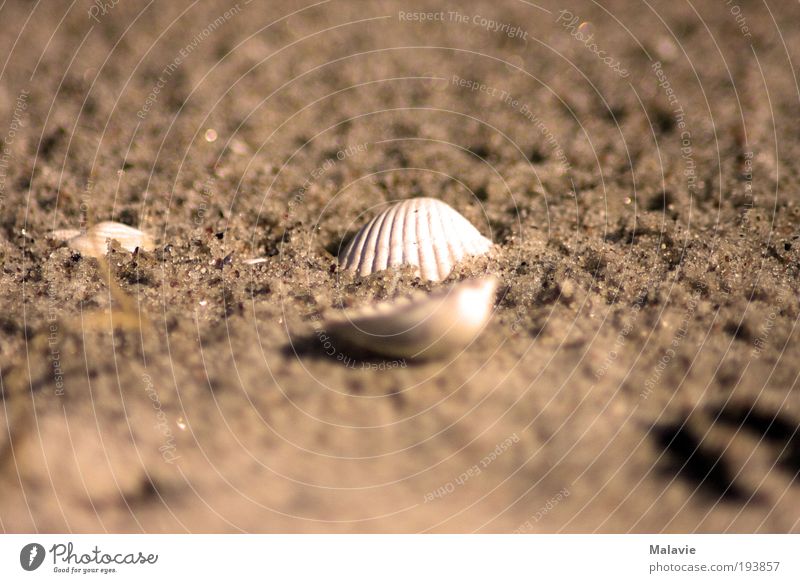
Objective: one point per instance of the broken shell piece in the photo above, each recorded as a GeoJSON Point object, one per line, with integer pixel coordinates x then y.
{"type": "Point", "coordinates": [94, 242]}
{"type": "Point", "coordinates": [423, 232]}
{"type": "Point", "coordinates": [64, 234]}
{"type": "Point", "coordinates": [422, 327]}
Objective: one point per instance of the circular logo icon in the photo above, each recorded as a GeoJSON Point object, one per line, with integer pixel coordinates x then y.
{"type": "Point", "coordinates": [31, 556]}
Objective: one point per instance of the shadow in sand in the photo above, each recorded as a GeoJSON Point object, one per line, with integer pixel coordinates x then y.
{"type": "Point", "coordinates": [319, 346]}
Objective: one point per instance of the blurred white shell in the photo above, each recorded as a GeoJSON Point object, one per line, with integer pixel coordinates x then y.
{"type": "Point", "coordinates": [421, 327]}
{"type": "Point", "coordinates": [94, 242]}
{"type": "Point", "coordinates": [423, 232]}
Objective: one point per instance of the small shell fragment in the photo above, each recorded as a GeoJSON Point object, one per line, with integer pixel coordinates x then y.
{"type": "Point", "coordinates": [422, 232]}
{"type": "Point", "coordinates": [64, 234]}
{"type": "Point", "coordinates": [423, 327]}
{"type": "Point", "coordinates": [94, 242]}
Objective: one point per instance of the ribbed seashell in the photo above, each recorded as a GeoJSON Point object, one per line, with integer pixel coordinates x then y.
{"type": "Point", "coordinates": [422, 232]}
{"type": "Point", "coordinates": [94, 242]}
{"type": "Point", "coordinates": [421, 327]}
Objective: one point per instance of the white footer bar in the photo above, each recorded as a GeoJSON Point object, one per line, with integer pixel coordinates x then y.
{"type": "Point", "coordinates": [401, 558]}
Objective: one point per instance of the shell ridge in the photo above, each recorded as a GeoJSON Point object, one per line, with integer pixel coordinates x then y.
{"type": "Point", "coordinates": [417, 239]}
{"type": "Point", "coordinates": [381, 259]}
{"type": "Point", "coordinates": [426, 241]}
{"type": "Point", "coordinates": [453, 243]}
{"type": "Point", "coordinates": [368, 266]}
{"type": "Point", "coordinates": [355, 247]}
{"type": "Point", "coordinates": [439, 258]}
{"type": "Point", "coordinates": [347, 252]}
{"type": "Point", "coordinates": [408, 235]}
{"type": "Point", "coordinates": [396, 239]}
{"type": "Point", "coordinates": [364, 253]}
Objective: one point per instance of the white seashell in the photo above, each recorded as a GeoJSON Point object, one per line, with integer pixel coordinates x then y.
{"type": "Point", "coordinates": [423, 232]}
{"type": "Point", "coordinates": [255, 261]}
{"type": "Point", "coordinates": [422, 327]}
{"type": "Point", "coordinates": [94, 242]}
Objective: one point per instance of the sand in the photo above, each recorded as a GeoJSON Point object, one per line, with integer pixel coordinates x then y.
{"type": "Point", "coordinates": [635, 164]}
